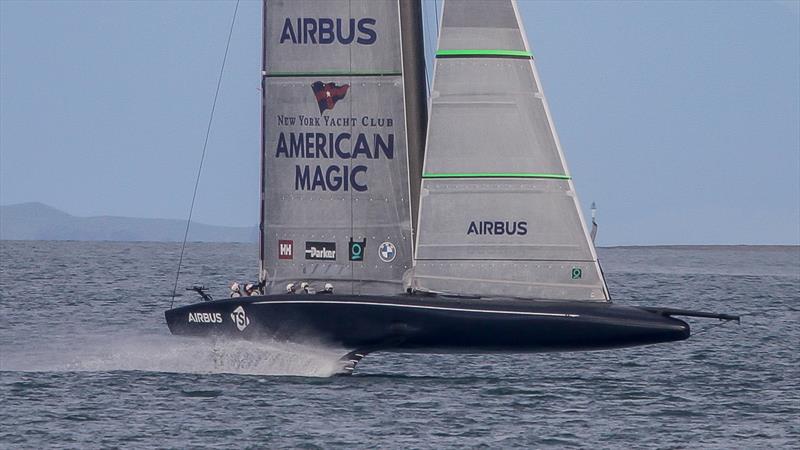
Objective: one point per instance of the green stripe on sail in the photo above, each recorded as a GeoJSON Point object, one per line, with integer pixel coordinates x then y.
{"type": "Point", "coordinates": [555, 176]}
{"type": "Point", "coordinates": [334, 74]}
{"type": "Point", "coordinates": [484, 52]}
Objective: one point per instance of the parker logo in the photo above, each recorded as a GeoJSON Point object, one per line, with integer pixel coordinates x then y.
{"type": "Point", "coordinates": [357, 249]}
{"type": "Point", "coordinates": [205, 318]}
{"type": "Point", "coordinates": [327, 94]}
{"type": "Point", "coordinates": [321, 251]}
{"type": "Point", "coordinates": [285, 249]}
{"type": "Point", "coordinates": [239, 318]}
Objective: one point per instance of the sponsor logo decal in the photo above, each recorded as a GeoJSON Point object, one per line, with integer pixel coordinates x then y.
{"type": "Point", "coordinates": [577, 273]}
{"type": "Point", "coordinates": [308, 30]}
{"type": "Point", "coordinates": [325, 251]}
{"type": "Point", "coordinates": [205, 317]}
{"type": "Point", "coordinates": [387, 252]}
{"type": "Point", "coordinates": [285, 249]}
{"type": "Point", "coordinates": [240, 319]}
{"type": "Point", "coordinates": [349, 154]}
{"type": "Point", "coordinates": [344, 146]}
{"type": "Point", "coordinates": [327, 94]}
{"type": "Point", "coordinates": [357, 249]}
{"type": "Point", "coordinates": [498, 228]}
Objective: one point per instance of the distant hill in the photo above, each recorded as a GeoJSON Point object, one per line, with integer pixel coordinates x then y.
{"type": "Point", "coordinates": [37, 221]}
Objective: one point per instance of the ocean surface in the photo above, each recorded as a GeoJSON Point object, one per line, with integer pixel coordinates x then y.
{"type": "Point", "coordinates": [86, 361]}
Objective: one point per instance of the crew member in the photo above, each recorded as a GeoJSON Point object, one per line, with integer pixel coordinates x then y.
{"type": "Point", "coordinates": [236, 290]}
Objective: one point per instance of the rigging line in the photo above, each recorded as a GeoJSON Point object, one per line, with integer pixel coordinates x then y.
{"type": "Point", "coordinates": [427, 83]}
{"type": "Point", "coordinates": [436, 10]}
{"type": "Point", "coordinates": [434, 40]}
{"type": "Point", "coordinates": [203, 156]}
{"type": "Point", "coordinates": [425, 52]}
{"type": "Point", "coordinates": [350, 164]}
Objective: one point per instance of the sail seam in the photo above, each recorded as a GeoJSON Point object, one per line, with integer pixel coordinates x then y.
{"type": "Point", "coordinates": [484, 53]}
{"type": "Point", "coordinates": [556, 176]}
{"type": "Point", "coordinates": [334, 74]}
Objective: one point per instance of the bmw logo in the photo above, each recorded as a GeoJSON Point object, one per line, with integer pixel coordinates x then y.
{"type": "Point", "coordinates": [387, 252]}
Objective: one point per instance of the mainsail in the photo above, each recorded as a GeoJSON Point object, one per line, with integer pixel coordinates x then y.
{"type": "Point", "coordinates": [498, 211]}
{"type": "Point", "coordinates": [335, 193]}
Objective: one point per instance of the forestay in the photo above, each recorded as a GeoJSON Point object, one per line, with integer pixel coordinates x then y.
{"type": "Point", "coordinates": [498, 210]}
{"type": "Point", "coordinates": [335, 168]}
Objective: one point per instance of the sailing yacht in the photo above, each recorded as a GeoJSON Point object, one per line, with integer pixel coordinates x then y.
{"type": "Point", "coordinates": [448, 224]}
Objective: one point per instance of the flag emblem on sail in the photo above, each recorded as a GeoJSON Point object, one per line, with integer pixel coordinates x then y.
{"type": "Point", "coordinates": [328, 94]}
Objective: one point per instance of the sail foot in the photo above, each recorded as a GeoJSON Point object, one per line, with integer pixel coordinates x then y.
{"type": "Point", "coordinates": [554, 280]}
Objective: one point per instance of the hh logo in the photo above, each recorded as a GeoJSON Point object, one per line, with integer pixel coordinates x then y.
{"type": "Point", "coordinates": [285, 249]}
{"type": "Point", "coordinates": [240, 319]}
{"type": "Point", "coordinates": [328, 94]}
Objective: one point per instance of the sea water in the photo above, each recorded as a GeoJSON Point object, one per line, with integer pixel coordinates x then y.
{"type": "Point", "coordinates": [86, 361]}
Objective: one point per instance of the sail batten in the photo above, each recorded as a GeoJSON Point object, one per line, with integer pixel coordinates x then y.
{"type": "Point", "coordinates": [556, 176]}
{"type": "Point", "coordinates": [379, 73]}
{"type": "Point", "coordinates": [473, 53]}
{"type": "Point", "coordinates": [498, 211]}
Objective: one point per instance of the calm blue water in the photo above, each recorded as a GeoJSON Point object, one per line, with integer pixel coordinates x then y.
{"type": "Point", "coordinates": [86, 361]}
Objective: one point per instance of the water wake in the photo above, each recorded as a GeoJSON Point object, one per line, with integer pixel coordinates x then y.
{"type": "Point", "coordinates": [172, 354]}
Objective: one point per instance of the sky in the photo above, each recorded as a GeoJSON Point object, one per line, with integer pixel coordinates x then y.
{"type": "Point", "coordinates": [681, 120]}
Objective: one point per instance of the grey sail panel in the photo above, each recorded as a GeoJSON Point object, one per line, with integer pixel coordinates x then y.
{"type": "Point", "coordinates": [509, 237]}
{"type": "Point", "coordinates": [525, 280]}
{"type": "Point", "coordinates": [498, 209]}
{"type": "Point", "coordinates": [488, 116]}
{"type": "Point", "coordinates": [506, 219]}
{"type": "Point", "coordinates": [335, 151]}
{"type": "Point", "coordinates": [480, 24]}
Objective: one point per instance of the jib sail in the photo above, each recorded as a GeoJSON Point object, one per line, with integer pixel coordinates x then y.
{"type": "Point", "coordinates": [335, 202]}
{"type": "Point", "coordinates": [498, 210]}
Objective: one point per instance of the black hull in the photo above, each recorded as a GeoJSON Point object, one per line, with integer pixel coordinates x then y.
{"type": "Point", "coordinates": [409, 323]}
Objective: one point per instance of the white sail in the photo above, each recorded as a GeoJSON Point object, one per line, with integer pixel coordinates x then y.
{"type": "Point", "coordinates": [335, 164]}
{"type": "Point", "coordinates": [498, 211]}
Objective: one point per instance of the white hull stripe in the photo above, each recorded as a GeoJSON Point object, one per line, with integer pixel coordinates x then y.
{"type": "Point", "coordinates": [441, 308]}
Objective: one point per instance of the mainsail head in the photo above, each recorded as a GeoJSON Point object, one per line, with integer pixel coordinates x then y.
{"type": "Point", "coordinates": [335, 191]}
{"type": "Point", "coordinates": [498, 211]}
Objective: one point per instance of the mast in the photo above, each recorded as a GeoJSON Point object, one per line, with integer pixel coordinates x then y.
{"type": "Point", "coordinates": [412, 43]}
{"type": "Point", "coordinates": [262, 268]}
